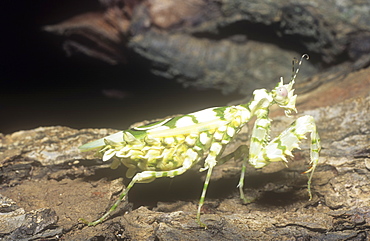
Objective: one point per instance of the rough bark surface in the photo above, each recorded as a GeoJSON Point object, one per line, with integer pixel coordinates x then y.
{"type": "Point", "coordinates": [47, 184]}
{"type": "Point", "coordinates": [217, 44]}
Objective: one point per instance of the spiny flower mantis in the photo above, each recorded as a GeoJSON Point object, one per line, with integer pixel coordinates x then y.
{"type": "Point", "coordinates": [170, 147]}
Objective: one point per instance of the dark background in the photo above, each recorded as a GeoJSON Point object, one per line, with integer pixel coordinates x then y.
{"type": "Point", "coordinates": [41, 86]}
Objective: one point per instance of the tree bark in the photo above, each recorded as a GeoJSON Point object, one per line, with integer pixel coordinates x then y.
{"type": "Point", "coordinates": [232, 45]}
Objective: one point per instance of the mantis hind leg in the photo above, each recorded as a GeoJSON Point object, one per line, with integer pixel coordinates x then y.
{"type": "Point", "coordinates": [142, 177]}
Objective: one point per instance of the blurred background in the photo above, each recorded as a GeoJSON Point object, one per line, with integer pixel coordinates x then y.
{"type": "Point", "coordinates": [41, 86]}
{"type": "Point", "coordinates": [111, 63]}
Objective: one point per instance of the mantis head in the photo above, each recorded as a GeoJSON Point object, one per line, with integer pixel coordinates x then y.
{"type": "Point", "coordinates": [283, 94]}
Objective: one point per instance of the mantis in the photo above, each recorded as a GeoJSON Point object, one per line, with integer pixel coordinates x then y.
{"type": "Point", "coordinates": [172, 146]}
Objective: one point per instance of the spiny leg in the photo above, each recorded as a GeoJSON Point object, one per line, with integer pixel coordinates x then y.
{"type": "Point", "coordinates": [299, 128]}
{"type": "Point", "coordinates": [289, 139]}
{"type": "Point", "coordinates": [314, 155]}
{"type": "Point", "coordinates": [259, 139]}
{"type": "Point", "coordinates": [145, 176]}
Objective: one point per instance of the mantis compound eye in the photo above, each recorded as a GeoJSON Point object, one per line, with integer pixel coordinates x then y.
{"type": "Point", "coordinates": [282, 91]}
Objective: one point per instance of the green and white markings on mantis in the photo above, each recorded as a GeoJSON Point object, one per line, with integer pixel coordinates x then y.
{"type": "Point", "coordinates": [170, 147]}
